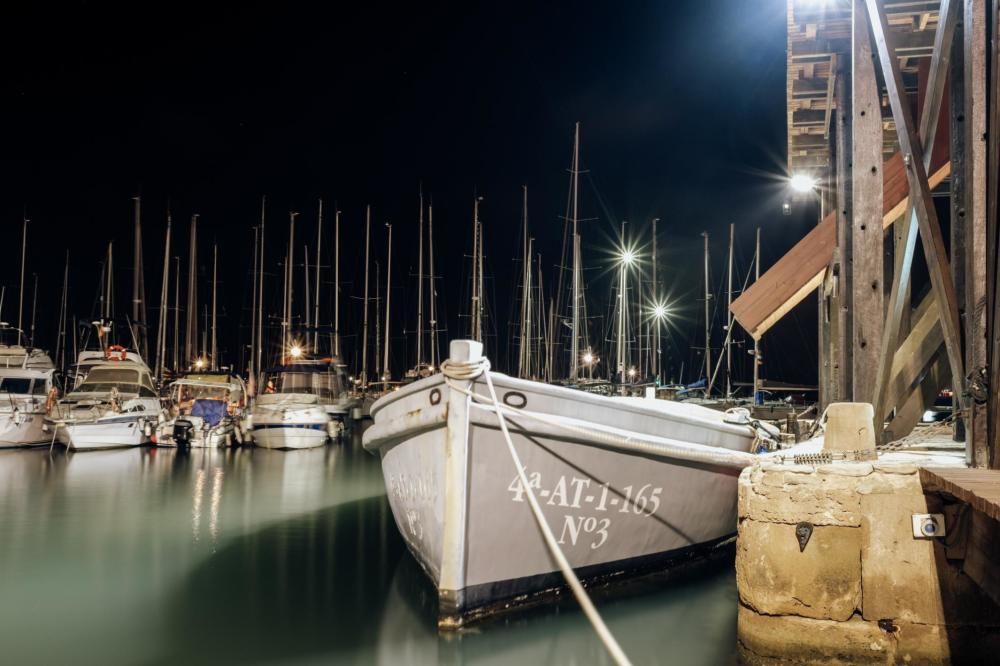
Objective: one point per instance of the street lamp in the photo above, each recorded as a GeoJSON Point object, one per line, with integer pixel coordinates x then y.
{"type": "Point", "coordinates": [802, 182]}
{"type": "Point", "coordinates": [659, 314]}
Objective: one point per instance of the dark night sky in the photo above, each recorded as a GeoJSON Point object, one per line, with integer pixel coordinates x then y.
{"type": "Point", "coordinates": [682, 108]}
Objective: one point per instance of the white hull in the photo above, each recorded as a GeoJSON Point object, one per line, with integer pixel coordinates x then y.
{"type": "Point", "coordinates": [290, 421]}
{"type": "Point", "coordinates": [221, 435]}
{"type": "Point", "coordinates": [102, 434]}
{"type": "Point", "coordinates": [460, 507]}
{"type": "Point", "coordinates": [28, 433]}
{"type": "Point", "coordinates": [290, 437]}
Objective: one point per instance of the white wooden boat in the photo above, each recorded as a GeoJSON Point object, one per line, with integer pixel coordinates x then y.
{"type": "Point", "coordinates": [462, 510]}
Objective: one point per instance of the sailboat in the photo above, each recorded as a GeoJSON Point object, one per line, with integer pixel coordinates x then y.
{"type": "Point", "coordinates": [304, 400]}
{"type": "Point", "coordinates": [476, 462]}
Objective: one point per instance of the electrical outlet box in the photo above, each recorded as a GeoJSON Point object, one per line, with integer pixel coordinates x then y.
{"type": "Point", "coordinates": [928, 525]}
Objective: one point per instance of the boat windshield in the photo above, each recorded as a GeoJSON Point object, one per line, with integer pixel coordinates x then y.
{"type": "Point", "coordinates": [19, 385]}
{"type": "Point", "coordinates": [322, 384]}
{"type": "Point", "coordinates": [186, 392]}
{"type": "Point", "coordinates": [102, 380]}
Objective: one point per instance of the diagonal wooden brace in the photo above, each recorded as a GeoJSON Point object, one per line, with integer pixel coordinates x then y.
{"type": "Point", "coordinates": [923, 216]}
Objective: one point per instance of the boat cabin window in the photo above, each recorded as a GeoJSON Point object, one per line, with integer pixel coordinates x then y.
{"type": "Point", "coordinates": [187, 392]}
{"type": "Point", "coordinates": [102, 380]}
{"type": "Point", "coordinates": [39, 388]}
{"type": "Point", "coordinates": [17, 385]}
{"type": "Point", "coordinates": [323, 384]}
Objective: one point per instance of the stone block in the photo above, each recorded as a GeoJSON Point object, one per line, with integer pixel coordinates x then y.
{"type": "Point", "coordinates": [907, 579]}
{"type": "Point", "coordinates": [765, 639]}
{"type": "Point", "coordinates": [782, 496]}
{"type": "Point", "coordinates": [823, 581]}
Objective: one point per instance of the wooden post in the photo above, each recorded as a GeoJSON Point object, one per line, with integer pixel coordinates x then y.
{"type": "Point", "coordinates": [866, 236]}
{"type": "Point", "coordinates": [841, 335]}
{"type": "Point", "coordinates": [975, 163]}
{"type": "Point", "coordinates": [956, 152]}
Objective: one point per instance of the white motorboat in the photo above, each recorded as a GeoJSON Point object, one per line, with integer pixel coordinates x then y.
{"type": "Point", "coordinates": [624, 484]}
{"type": "Point", "coordinates": [206, 410]}
{"type": "Point", "coordinates": [114, 406]}
{"type": "Point", "coordinates": [26, 382]}
{"type": "Point", "coordinates": [304, 403]}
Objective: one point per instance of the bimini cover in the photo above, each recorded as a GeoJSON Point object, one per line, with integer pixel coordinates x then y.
{"type": "Point", "coordinates": [210, 410]}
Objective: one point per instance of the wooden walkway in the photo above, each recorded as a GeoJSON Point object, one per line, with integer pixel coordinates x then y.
{"type": "Point", "coordinates": [979, 488]}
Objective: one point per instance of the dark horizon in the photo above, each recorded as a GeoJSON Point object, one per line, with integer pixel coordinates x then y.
{"type": "Point", "coordinates": [207, 110]}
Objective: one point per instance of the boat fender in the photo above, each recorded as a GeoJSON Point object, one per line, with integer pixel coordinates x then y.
{"type": "Point", "coordinates": [238, 433]}
{"type": "Point", "coordinates": [50, 399]}
{"type": "Point", "coordinates": [115, 353]}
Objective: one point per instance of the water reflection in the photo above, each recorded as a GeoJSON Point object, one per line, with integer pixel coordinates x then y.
{"type": "Point", "coordinates": [161, 556]}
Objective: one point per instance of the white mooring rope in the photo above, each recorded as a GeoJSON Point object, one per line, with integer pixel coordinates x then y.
{"type": "Point", "coordinates": [470, 370]}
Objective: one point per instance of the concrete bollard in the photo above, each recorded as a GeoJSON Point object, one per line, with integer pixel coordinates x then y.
{"type": "Point", "coordinates": [849, 427]}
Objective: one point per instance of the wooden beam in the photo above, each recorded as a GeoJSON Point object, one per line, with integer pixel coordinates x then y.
{"type": "Point", "coordinates": [800, 270]}
{"type": "Point", "coordinates": [867, 237]}
{"type": "Point", "coordinates": [974, 177]}
{"type": "Point", "coordinates": [956, 134]}
{"type": "Point", "coordinates": [841, 304]}
{"type": "Point", "coordinates": [924, 215]}
{"type": "Point", "coordinates": [916, 353]}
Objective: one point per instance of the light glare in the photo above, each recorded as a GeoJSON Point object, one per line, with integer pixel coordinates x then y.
{"type": "Point", "coordinates": [802, 182]}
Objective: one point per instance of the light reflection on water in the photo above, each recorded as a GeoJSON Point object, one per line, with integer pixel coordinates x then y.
{"type": "Point", "coordinates": [154, 556]}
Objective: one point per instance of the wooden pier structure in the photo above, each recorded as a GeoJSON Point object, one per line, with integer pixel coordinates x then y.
{"type": "Point", "coordinates": [893, 109]}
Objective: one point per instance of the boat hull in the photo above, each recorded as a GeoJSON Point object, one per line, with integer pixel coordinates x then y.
{"type": "Point", "coordinates": [110, 434]}
{"type": "Point", "coordinates": [290, 436]}
{"type": "Point", "coordinates": [457, 499]}
{"type": "Point", "coordinates": [218, 436]}
{"type": "Point", "coordinates": [29, 432]}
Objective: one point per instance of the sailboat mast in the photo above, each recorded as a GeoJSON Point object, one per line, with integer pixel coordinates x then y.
{"type": "Point", "coordinates": [24, 253]}
{"type": "Point", "coordinates": [215, 289]}
{"type": "Point", "coordinates": [622, 309]}
{"type": "Point", "coordinates": [138, 288]}
{"type": "Point", "coordinates": [729, 317]}
{"type": "Point", "coordinates": [24, 250]}
{"type": "Point", "coordinates": [708, 325]}
{"type": "Point", "coordinates": [61, 337]}
{"type": "Point", "coordinates": [109, 281]}
{"type": "Point", "coordinates": [476, 328]}
{"type": "Point", "coordinates": [161, 324]}
{"type": "Point", "coordinates": [191, 335]}
{"type": "Point", "coordinates": [364, 326]}
{"type": "Point", "coordinates": [420, 281]}
{"type": "Point", "coordinates": [388, 291]}
{"type": "Point", "coordinates": [378, 322]}
{"type": "Point", "coordinates": [305, 287]}
{"type": "Point", "coordinates": [756, 341]}
{"type": "Point", "coordinates": [575, 342]}
{"type": "Point", "coordinates": [34, 309]}
{"type": "Point", "coordinates": [258, 367]}
{"type": "Point", "coordinates": [290, 283]}
{"type": "Point", "coordinates": [528, 314]}
{"type": "Point", "coordinates": [253, 304]}
{"type": "Point", "coordinates": [319, 241]}
{"type": "Point", "coordinates": [655, 311]}
{"type": "Point", "coordinates": [431, 284]}
{"type": "Point", "coordinates": [522, 359]}
{"type": "Point", "coordinates": [540, 318]}
{"type": "Point", "coordinates": [336, 284]}
{"type": "Point", "coordinates": [177, 312]}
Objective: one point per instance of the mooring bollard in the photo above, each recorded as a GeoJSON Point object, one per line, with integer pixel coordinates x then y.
{"type": "Point", "coordinates": [850, 427]}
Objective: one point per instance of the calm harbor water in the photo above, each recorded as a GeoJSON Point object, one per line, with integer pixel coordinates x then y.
{"type": "Point", "coordinates": [155, 556]}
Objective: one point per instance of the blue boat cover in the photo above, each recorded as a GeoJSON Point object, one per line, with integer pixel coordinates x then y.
{"type": "Point", "coordinates": [211, 410]}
